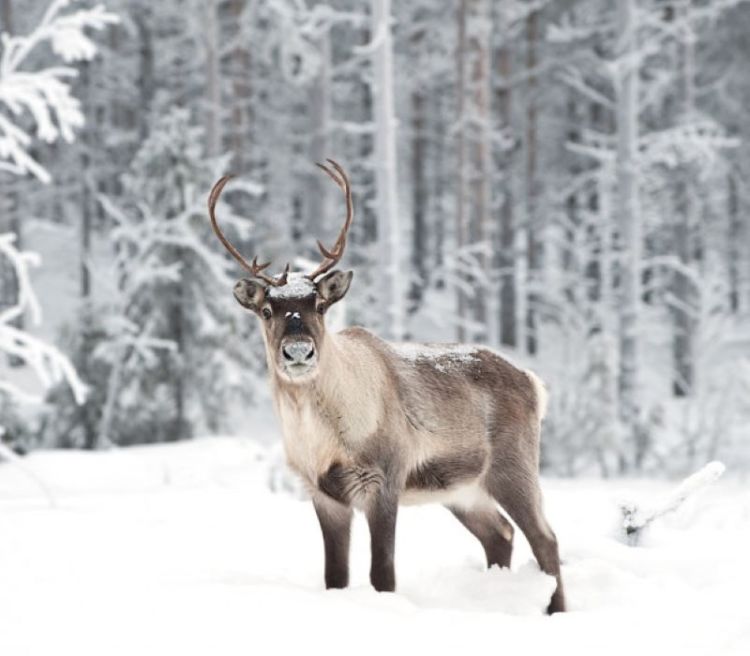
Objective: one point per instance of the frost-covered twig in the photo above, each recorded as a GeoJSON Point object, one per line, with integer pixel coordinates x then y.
{"type": "Point", "coordinates": [635, 518]}
{"type": "Point", "coordinates": [44, 95]}
{"type": "Point", "coordinates": [20, 262]}
{"type": "Point", "coordinates": [48, 363]}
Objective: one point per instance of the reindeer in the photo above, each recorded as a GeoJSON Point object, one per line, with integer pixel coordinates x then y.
{"type": "Point", "coordinates": [369, 424]}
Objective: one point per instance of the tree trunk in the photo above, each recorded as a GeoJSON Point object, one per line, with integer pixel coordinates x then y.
{"type": "Point", "coordinates": [629, 221]}
{"type": "Point", "coordinates": [481, 143]}
{"type": "Point", "coordinates": [178, 329]}
{"type": "Point", "coordinates": [739, 262]}
{"type": "Point", "coordinates": [386, 174]}
{"type": "Point", "coordinates": [442, 146]}
{"type": "Point", "coordinates": [530, 243]}
{"type": "Point", "coordinates": [104, 437]}
{"type": "Point", "coordinates": [607, 322]}
{"type": "Point", "coordinates": [367, 206]}
{"type": "Point", "coordinates": [88, 177]}
{"type": "Point", "coordinates": [6, 16]}
{"type": "Point", "coordinates": [506, 259]}
{"type": "Point", "coordinates": [213, 79]}
{"type": "Point", "coordinates": [461, 163]}
{"type": "Point", "coordinates": [145, 71]}
{"type": "Point", "coordinates": [473, 198]}
{"type": "Point", "coordinates": [85, 227]}
{"type": "Point", "coordinates": [418, 201]}
{"type": "Point", "coordinates": [683, 325]}
{"type": "Point", "coordinates": [240, 89]}
{"type": "Point", "coordinates": [318, 213]}
{"type": "Point", "coordinates": [682, 322]}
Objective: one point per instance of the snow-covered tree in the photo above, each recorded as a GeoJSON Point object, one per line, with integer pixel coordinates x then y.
{"type": "Point", "coordinates": [37, 104]}
{"type": "Point", "coordinates": [563, 179]}
{"type": "Point", "coordinates": [169, 337]}
{"type": "Point", "coordinates": [650, 166]}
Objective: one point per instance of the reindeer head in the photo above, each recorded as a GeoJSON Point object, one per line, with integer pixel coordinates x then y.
{"type": "Point", "coordinates": [291, 306]}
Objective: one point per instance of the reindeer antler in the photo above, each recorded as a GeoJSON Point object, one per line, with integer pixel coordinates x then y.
{"type": "Point", "coordinates": [332, 256]}
{"type": "Point", "coordinates": [255, 269]}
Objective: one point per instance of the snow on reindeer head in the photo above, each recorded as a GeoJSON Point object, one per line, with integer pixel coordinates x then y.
{"type": "Point", "coordinates": [291, 306]}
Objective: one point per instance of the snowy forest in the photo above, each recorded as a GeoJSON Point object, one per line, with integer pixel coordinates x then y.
{"type": "Point", "coordinates": [565, 181]}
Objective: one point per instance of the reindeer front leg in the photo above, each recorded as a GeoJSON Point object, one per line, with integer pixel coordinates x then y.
{"type": "Point", "coordinates": [381, 517]}
{"type": "Point", "coordinates": [335, 523]}
{"type": "Point", "coordinates": [376, 490]}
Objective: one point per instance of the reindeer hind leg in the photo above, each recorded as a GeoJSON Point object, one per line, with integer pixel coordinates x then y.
{"type": "Point", "coordinates": [494, 532]}
{"type": "Point", "coordinates": [520, 496]}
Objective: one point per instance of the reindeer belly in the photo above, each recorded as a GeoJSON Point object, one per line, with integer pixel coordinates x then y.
{"type": "Point", "coordinates": [451, 480]}
{"type": "Point", "coordinates": [465, 496]}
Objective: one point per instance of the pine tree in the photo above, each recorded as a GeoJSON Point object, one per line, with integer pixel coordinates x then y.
{"type": "Point", "coordinates": [172, 348]}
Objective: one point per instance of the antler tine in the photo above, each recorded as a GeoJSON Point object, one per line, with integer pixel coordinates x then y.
{"type": "Point", "coordinates": [257, 268]}
{"type": "Point", "coordinates": [346, 188]}
{"type": "Point", "coordinates": [284, 275]}
{"type": "Point", "coordinates": [254, 268]}
{"type": "Point", "coordinates": [331, 174]}
{"type": "Point", "coordinates": [333, 255]}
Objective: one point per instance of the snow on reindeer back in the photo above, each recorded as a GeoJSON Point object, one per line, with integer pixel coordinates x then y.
{"type": "Point", "coordinates": [443, 357]}
{"type": "Point", "coordinates": [298, 286]}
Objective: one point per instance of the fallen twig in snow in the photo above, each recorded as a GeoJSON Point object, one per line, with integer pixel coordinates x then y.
{"type": "Point", "coordinates": [635, 519]}
{"type": "Point", "coordinates": [8, 454]}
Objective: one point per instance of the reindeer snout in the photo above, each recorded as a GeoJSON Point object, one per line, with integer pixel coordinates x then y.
{"type": "Point", "coordinates": [298, 352]}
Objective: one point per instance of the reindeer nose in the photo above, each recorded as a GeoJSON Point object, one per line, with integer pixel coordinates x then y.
{"type": "Point", "coordinates": [298, 352]}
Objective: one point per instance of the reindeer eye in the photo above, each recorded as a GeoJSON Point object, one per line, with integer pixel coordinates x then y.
{"type": "Point", "coordinates": [322, 309]}
{"type": "Point", "coordinates": [266, 313]}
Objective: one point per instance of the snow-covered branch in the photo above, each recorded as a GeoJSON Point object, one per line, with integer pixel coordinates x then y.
{"type": "Point", "coordinates": [49, 364]}
{"type": "Point", "coordinates": [636, 518]}
{"type": "Point", "coordinates": [45, 96]}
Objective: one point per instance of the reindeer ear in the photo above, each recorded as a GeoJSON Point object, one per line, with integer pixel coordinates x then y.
{"type": "Point", "coordinates": [250, 293]}
{"type": "Point", "coordinates": [333, 287]}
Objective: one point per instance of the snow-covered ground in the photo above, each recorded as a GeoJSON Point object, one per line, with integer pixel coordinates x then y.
{"type": "Point", "coordinates": [182, 549]}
